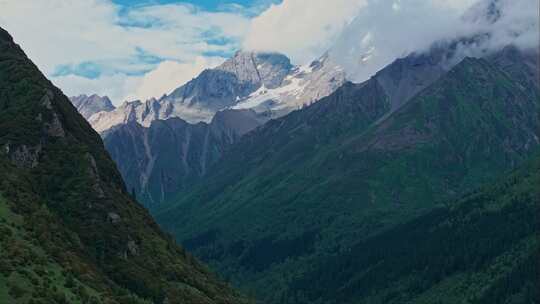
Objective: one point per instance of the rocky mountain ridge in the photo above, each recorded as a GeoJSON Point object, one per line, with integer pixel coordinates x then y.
{"type": "Point", "coordinates": [303, 86]}
{"type": "Point", "coordinates": [158, 161]}
{"type": "Point", "coordinates": [264, 82]}
{"type": "Point", "coordinates": [90, 105]}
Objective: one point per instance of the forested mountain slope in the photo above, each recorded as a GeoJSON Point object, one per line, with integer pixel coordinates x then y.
{"type": "Point", "coordinates": [70, 232]}
{"type": "Point", "coordinates": [318, 181]}
{"type": "Point", "coordinates": [482, 248]}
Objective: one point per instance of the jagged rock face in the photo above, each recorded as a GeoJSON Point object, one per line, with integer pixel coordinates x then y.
{"type": "Point", "coordinates": [264, 82]}
{"type": "Point", "coordinates": [158, 161]}
{"type": "Point", "coordinates": [303, 86]}
{"type": "Point", "coordinates": [146, 112]}
{"type": "Point", "coordinates": [234, 80]}
{"type": "Point", "coordinates": [90, 105]}
{"type": "Point", "coordinates": [212, 89]}
{"type": "Point", "coordinates": [268, 69]}
{"type": "Point", "coordinates": [199, 99]}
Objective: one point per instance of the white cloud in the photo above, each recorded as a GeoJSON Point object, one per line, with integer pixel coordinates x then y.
{"type": "Point", "coordinates": [386, 30]}
{"type": "Point", "coordinates": [180, 30]}
{"type": "Point", "coordinates": [166, 77]}
{"type": "Point", "coordinates": [127, 44]}
{"type": "Point", "coordinates": [116, 86]}
{"type": "Point", "coordinates": [301, 29]}
{"type": "Point", "coordinates": [59, 32]}
{"type": "Point", "coordinates": [518, 23]}
{"type": "Point", "coordinates": [123, 42]}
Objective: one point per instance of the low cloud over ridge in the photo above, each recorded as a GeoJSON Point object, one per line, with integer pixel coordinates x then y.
{"type": "Point", "coordinates": [386, 30]}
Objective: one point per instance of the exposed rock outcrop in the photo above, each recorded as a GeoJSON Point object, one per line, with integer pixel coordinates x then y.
{"type": "Point", "coordinates": [159, 160]}
{"type": "Point", "coordinates": [90, 105]}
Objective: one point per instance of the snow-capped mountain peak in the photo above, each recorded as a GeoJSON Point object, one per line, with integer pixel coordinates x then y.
{"type": "Point", "coordinates": [89, 105]}
{"type": "Point", "coordinates": [266, 82]}
{"type": "Point", "coordinates": [304, 85]}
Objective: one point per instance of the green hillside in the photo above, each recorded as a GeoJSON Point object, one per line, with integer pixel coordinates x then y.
{"type": "Point", "coordinates": [311, 185]}
{"type": "Point", "coordinates": [482, 248]}
{"type": "Point", "coordinates": [70, 232]}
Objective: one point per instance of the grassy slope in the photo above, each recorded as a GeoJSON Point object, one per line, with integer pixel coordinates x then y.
{"type": "Point", "coordinates": [287, 197]}
{"type": "Point", "coordinates": [74, 214]}
{"type": "Point", "coordinates": [27, 272]}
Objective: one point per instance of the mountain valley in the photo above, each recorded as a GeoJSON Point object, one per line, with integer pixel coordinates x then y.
{"type": "Point", "coordinates": [394, 159]}
{"type": "Point", "coordinates": [352, 166]}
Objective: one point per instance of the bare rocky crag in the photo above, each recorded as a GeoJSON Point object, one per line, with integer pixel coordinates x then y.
{"type": "Point", "coordinates": [90, 105]}
{"type": "Point", "coordinates": [264, 82]}
{"type": "Point", "coordinates": [158, 161]}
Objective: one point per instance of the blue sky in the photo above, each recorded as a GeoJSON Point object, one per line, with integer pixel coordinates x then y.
{"type": "Point", "coordinates": [112, 46]}
{"type": "Point", "coordinates": [137, 49]}
{"type": "Point", "coordinates": [211, 5]}
{"type": "Point", "coordinates": [206, 4]}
